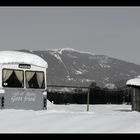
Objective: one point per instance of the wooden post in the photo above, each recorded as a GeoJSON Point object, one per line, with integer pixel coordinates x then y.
{"type": "Point", "coordinates": [88, 99]}
{"type": "Point", "coordinates": [138, 100]}
{"type": "Point", "coordinates": [134, 100]}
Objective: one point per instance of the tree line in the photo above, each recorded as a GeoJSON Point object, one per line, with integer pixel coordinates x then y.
{"type": "Point", "coordinates": [97, 95]}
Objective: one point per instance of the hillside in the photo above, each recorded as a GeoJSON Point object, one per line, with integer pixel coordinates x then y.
{"type": "Point", "coordinates": [71, 67]}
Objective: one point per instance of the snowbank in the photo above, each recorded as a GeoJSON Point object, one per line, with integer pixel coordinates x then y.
{"type": "Point", "coordinates": [49, 104]}
{"type": "Point", "coordinates": [21, 57]}
{"type": "Point", "coordinates": [71, 119]}
{"type": "Point", "coordinates": [134, 82]}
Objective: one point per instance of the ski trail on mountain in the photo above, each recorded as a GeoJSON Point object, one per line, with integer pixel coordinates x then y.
{"type": "Point", "coordinates": [57, 56]}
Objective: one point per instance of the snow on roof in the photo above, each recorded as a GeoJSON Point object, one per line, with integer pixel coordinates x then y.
{"type": "Point", "coordinates": [22, 57]}
{"type": "Point", "coordinates": [134, 82]}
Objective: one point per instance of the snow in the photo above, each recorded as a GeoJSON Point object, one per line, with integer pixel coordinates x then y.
{"type": "Point", "coordinates": [70, 79]}
{"type": "Point", "coordinates": [78, 72]}
{"type": "Point", "coordinates": [49, 104]}
{"type": "Point", "coordinates": [110, 86]}
{"type": "Point", "coordinates": [71, 119]}
{"type": "Point", "coordinates": [83, 69]}
{"type": "Point", "coordinates": [65, 49]}
{"type": "Point", "coordinates": [104, 66]}
{"type": "Point", "coordinates": [57, 56]}
{"type": "Point", "coordinates": [54, 53]}
{"type": "Point", "coordinates": [21, 57]}
{"type": "Point", "coordinates": [103, 62]}
{"type": "Point", "coordinates": [87, 80]}
{"type": "Point", "coordinates": [60, 51]}
{"type": "Point", "coordinates": [134, 82]}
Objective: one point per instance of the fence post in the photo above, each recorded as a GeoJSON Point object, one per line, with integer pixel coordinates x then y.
{"type": "Point", "coordinates": [88, 99]}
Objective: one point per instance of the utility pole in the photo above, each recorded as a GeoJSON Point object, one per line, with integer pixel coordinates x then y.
{"type": "Point", "coordinates": [88, 99]}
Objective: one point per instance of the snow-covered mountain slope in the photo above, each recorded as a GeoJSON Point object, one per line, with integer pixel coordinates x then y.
{"type": "Point", "coordinates": [71, 67]}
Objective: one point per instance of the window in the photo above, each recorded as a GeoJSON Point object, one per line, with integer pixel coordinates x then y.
{"type": "Point", "coordinates": [12, 78]}
{"type": "Point", "coordinates": [35, 79]}
{"type": "Point", "coordinates": [15, 78]}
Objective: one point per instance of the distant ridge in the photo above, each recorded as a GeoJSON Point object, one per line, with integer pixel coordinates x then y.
{"type": "Point", "coordinates": [68, 66]}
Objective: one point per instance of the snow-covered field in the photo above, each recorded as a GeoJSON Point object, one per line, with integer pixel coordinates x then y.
{"type": "Point", "coordinates": [72, 119]}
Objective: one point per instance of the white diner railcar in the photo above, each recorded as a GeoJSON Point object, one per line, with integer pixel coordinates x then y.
{"type": "Point", "coordinates": [23, 83]}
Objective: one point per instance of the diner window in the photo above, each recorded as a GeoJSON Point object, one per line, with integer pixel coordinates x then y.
{"type": "Point", "coordinates": [35, 79]}
{"type": "Point", "coordinates": [12, 78]}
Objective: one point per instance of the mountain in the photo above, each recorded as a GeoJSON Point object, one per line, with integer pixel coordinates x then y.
{"type": "Point", "coordinates": [71, 67]}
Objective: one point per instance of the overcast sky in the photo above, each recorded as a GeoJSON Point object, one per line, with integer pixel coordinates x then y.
{"type": "Point", "coordinates": [112, 31]}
